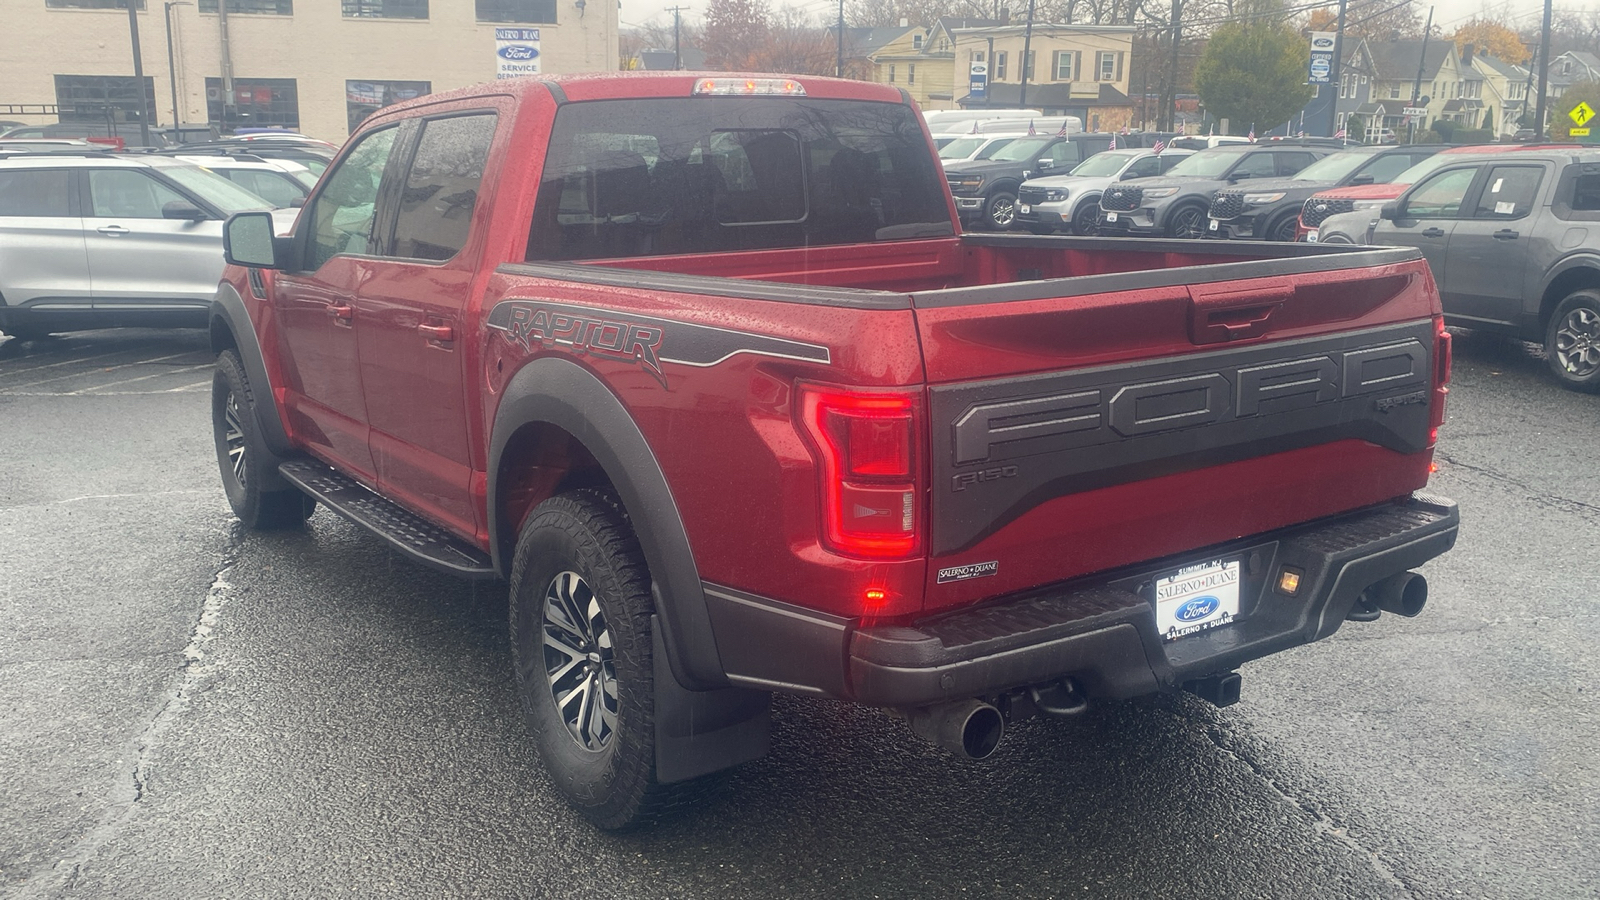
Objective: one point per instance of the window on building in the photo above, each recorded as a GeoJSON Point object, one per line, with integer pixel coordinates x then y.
{"type": "Point", "coordinates": [891, 73]}
{"type": "Point", "coordinates": [977, 55]}
{"type": "Point", "coordinates": [1000, 66]}
{"type": "Point", "coordinates": [363, 98]}
{"type": "Point", "coordinates": [911, 73]}
{"type": "Point", "coordinates": [1109, 66]}
{"type": "Point", "coordinates": [257, 102]}
{"type": "Point", "coordinates": [90, 4]}
{"type": "Point", "coordinates": [1028, 65]}
{"type": "Point", "coordinates": [258, 7]}
{"type": "Point", "coordinates": [916, 42]}
{"type": "Point", "coordinates": [1394, 93]}
{"type": "Point", "coordinates": [535, 11]}
{"type": "Point", "coordinates": [384, 9]}
{"type": "Point", "coordinates": [1065, 64]}
{"type": "Point", "coordinates": [102, 98]}
{"type": "Point", "coordinates": [442, 187]}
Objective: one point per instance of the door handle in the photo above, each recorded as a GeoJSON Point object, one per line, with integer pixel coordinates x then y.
{"type": "Point", "coordinates": [342, 312]}
{"type": "Point", "coordinates": [112, 230]}
{"type": "Point", "coordinates": [441, 333]}
{"type": "Point", "coordinates": [1505, 234]}
{"type": "Point", "coordinates": [1433, 232]}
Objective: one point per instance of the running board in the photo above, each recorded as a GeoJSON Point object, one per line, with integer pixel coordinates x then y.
{"type": "Point", "coordinates": [406, 531]}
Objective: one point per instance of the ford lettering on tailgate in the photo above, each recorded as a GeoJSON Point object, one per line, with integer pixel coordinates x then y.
{"type": "Point", "coordinates": [1127, 422]}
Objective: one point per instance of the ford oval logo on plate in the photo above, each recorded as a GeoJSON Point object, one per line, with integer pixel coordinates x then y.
{"type": "Point", "coordinates": [1197, 609]}
{"type": "Point", "coordinates": [518, 51]}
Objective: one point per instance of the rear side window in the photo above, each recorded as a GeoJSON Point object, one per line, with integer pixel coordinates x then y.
{"type": "Point", "coordinates": [1508, 192]}
{"type": "Point", "coordinates": [1384, 169]}
{"type": "Point", "coordinates": [442, 187]}
{"type": "Point", "coordinates": [34, 192]}
{"type": "Point", "coordinates": [269, 186]}
{"type": "Point", "coordinates": [1144, 168]}
{"type": "Point", "coordinates": [1290, 163]}
{"type": "Point", "coordinates": [694, 175]}
{"type": "Point", "coordinates": [1585, 197]}
{"type": "Point", "coordinates": [1256, 165]}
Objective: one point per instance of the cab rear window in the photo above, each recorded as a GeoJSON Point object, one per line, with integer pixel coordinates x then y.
{"type": "Point", "coordinates": [694, 175]}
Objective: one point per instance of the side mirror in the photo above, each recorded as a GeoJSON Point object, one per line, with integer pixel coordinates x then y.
{"type": "Point", "coordinates": [1362, 179]}
{"type": "Point", "coordinates": [1047, 164]}
{"type": "Point", "coordinates": [1390, 210]}
{"type": "Point", "coordinates": [1238, 176]}
{"type": "Point", "coordinates": [182, 209]}
{"type": "Point", "coordinates": [247, 240]}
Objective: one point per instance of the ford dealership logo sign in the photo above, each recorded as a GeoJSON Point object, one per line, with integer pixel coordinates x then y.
{"type": "Point", "coordinates": [1198, 608]}
{"type": "Point", "coordinates": [1322, 43]}
{"type": "Point", "coordinates": [518, 51]}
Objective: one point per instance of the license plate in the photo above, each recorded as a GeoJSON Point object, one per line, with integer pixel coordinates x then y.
{"type": "Point", "coordinates": [1196, 598]}
{"type": "Point", "coordinates": [1214, 224]}
{"type": "Point", "coordinates": [1311, 236]}
{"type": "Point", "coordinates": [1025, 209]}
{"type": "Point", "coordinates": [1111, 217]}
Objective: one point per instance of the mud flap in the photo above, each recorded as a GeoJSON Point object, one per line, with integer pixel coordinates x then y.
{"type": "Point", "coordinates": [700, 732]}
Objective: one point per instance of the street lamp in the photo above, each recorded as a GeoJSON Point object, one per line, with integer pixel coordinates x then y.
{"type": "Point", "coordinates": [172, 67]}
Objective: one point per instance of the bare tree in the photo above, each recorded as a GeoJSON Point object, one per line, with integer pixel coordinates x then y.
{"type": "Point", "coordinates": [736, 32]}
{"type": "Point", "coordinates": [796, 46]}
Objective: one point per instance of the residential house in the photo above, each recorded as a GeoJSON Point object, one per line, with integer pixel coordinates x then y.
{"type": "Point", "coordinates": [1570, 68]}
{"type": "Point", "coordinates": [1401, 70]}
{"type": "Point", "coordinates": [1073, 70]}
{"type": "Point", "coordinates": [1505, 93]}
{"type": "Point", "coordinates": [923, 62]}
{"type": "Point", "coordinates": [861, 44]}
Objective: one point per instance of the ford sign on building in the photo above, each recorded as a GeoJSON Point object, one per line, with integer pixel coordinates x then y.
{"type": "Point", "coordinates": [516, 52]}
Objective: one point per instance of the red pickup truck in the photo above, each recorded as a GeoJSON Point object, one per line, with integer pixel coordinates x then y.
{"type": "Point", "coordinates": [705, 368]}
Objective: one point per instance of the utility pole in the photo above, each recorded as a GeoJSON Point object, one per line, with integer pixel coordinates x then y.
{"type": "Point", "coordinates": [1027, 45]}
{"type": "Point", "coordinates": [1169, 94]}
{"type": "Point", "coordinates": [1338, 79]}
{"type": "Point", "coordinates": [1416, 86]}
{"type": "Point", "coordinates": [1544, 74]}
{"type": "Point", "coordinates": [229, 102]}
{"type": "Point", "coordinates": [172, 66]}
{"type": "Point", "coordinates": [839, 68]}
{"type": "Point", "coordinates": [138, 74]}
{"type": "Point", "coordinates": [677, 42]}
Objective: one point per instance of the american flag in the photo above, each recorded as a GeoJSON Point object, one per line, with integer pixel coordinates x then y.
{"type": "Point", "coordinates": [1339, 134]}
{"type": "Point", "coordinates": [1030, 127]}
{"type": "Point", "coordinates": [974, 126]}
{"type": "Point", "coordinates": [1063, 131]}
{"type": "Point", "coordinates": [1302, 134]}
{"type": "Point", "coordinates": [1160, 146]}
{"type": "Point", "coordinates": [1252, 135]}
{"type": "Point", "coordinates": [1113, 143]}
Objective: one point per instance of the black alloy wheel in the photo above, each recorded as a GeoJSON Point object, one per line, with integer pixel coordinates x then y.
{"type": "Point", "coordinates": [1187, 223]}
{"type": "Point", "coordinates": [1086, 220]}
{"type": "Point", "coordinates": [1284, 229]}
{"type": "Point", "coordinates": [1572, 341]}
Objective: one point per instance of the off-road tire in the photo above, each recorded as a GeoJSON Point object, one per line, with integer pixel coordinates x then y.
{"type": "Point", "coordinates": [242, 455]}
{"type": "Point", "coordinates": [1572, 341]}
{"type": "Point", "coordinates": [607, 776]}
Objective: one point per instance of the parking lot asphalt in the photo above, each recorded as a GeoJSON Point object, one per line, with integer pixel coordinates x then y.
{"type": "Point", "coordinates": [196, 711]}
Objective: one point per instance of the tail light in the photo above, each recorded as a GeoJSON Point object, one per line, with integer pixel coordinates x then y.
{"type": "Point", "coordinates": [865, 444]}
{"type": "Point", "coordinates": [1443, 356]}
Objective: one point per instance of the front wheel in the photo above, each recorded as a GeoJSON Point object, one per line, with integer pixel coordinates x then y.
{"type": "Point", "coordinates": [1000, 211]}
{"type": "Point", "coordinates": [1187, 223]}
{"type": "Point", "coordinates": [582, 651]}
{"type": "Point", "coordinates": [1284, 230]}
{"type": "Point", "coordinates": [243, 458]}
{"type": "Point", "coordinates": [1086, 221]}
{"type": "Point", "coordinates": [1572, 341]}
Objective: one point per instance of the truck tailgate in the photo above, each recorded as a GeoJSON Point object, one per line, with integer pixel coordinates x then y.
{"type": "Point", "coordinates": [1080, 424]}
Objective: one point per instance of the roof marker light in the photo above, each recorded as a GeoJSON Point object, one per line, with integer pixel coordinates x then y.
{"type": "Point", "coordinates": [748, 87]}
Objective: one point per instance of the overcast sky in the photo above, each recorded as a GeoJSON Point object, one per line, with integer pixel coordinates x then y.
{"type": "Point", "coordinates": [1447, 13]}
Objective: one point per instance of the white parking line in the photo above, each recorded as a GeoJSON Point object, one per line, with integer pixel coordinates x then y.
{"type": "Point", "coordinates": [176, 371]}
{"type": "Point", "coordinates": [65, 362]}
{"type": "Point", "coordinates": [141, 362]}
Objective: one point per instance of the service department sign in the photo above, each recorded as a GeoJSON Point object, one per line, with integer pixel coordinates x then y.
{"type": "Point", "coordinates": [516, 52]}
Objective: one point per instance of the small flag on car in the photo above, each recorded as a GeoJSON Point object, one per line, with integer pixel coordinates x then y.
{"type": "Point", "coordinates": [1113, 143]}
{"type": "Point", "coordinates": [1252, 135]}
{"type": "Point", "coordinates": [1339, 134]}
{"type": "Point", "coordinates": [1160, 146]}
{"type": "Point", "coordinates": [1030, 127]}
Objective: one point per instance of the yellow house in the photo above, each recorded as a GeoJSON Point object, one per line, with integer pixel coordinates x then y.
{"type": "Point", "coordinates": [922, 61]}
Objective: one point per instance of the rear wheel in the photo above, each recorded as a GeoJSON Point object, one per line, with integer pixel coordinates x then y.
{"type": "Point", "coordinates": [1000, 211]}
{"type": "Point", "coordinates": [1187, 223]}
{"type": "Point", "coordinates": [582, 650]}
{"type": "Point", "coordinates": [1086, 221]}
{"type": "Point", "coordinates": [1572, 341]}
{"type": "Point", "coordinates": [243, 458]}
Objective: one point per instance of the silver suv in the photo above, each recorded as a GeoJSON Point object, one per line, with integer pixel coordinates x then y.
{"type": "Point", "coordinates": [97, 240]}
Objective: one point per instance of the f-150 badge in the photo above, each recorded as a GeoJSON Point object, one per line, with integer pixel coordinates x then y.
{"type": "Point", "coordinates": [646, 340]}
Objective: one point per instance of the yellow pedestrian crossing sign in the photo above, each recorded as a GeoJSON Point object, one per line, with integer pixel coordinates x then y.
{"type": "Point", "coordinates": [1581, 114]}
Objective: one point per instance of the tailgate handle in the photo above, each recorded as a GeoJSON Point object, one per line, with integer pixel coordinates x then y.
{"type": "Point", "coordinates": [1232, 315]}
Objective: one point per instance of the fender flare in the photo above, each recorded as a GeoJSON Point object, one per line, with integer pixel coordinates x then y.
{"type": "Point", "coordinates": [1582, 259]}
{"type": "Point", "coordinates": [228, 313]}
{"type": "Point", "coordinates": [562, 393]}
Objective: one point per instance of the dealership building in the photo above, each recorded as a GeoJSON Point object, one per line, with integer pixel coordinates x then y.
{"type": "Point", "coordinates": [317, 66]}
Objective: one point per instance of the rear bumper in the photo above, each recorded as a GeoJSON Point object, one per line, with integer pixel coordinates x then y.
{"type": "Point", "coordinates": [1100, 632]}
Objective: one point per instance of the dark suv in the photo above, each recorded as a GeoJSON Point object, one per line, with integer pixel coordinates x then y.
{"type": "Point", "coordinates": [986, 190]}
{"type": "Point", "coordinates": [1512, 241]}
{"type": "Point", "coordinates": [1269, 209]}
{"type": "Point", "coordinates": [1175, 204]}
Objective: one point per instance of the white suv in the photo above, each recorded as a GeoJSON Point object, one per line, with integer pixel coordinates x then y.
{"type": "Point", "coordinates": [97, 240]}
{"type": "Point", "coordinates": [1071, 202]}
{"type": "Point", "coordinates": [281, 182]}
